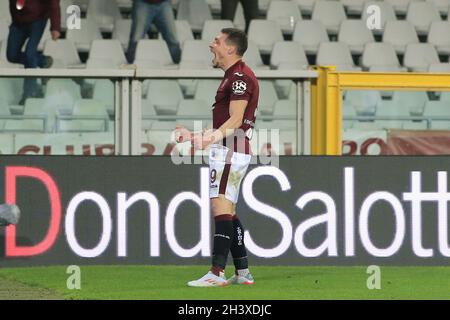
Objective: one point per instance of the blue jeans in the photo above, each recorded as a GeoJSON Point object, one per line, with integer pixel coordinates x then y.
{"type": "Point", "coordinates": [161, 14]}
{"type": "Point", "coordinates": [31, 58]}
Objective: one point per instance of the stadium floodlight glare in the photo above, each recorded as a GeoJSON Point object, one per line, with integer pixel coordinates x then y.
{"type": "Point", "coordinates": [356, 218]}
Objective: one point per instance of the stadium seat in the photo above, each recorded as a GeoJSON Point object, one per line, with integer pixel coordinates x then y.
{"type": "Point", "coordinates": [212, 28]}
{"type": "Point", "coordinates": [64, 54]}
{"type": "Point", "coordinates": [442, 5]}
{"type": "Point", "coordinates": [285, 108]}
{"type": "Point", "coordinates": [196, 12]}
{"type": "Point", "coordinates": [353, 7]}
{"type": "Point", "coordinates": [264, 34]}
{"type": "Point", "coordinates": [438, 109]}
{"type": "Point", "coordinates": [11, 90]}
{"type": "Point", "coordinates": [310, 33]}
{"type": "Point", "coordinates": [288, 55]}
{"type": "Point", "coordinates": [104, 92]}
{"type": "Point", "coordinates": [421, 15]}
{"type": "Point", "coordinates": [153, 54]}
{"type": "Point", "coordinates": [252, 57]}
{"type": "Point", "coordinates": [4, 29]}
{"type": "Point", "coordinates": [4, 11]}
{"type": "Point", "coordinates": [215, 6]}
{"type": "Point", "coordinates": [439, 67]}
{"type": "Point", "coordinates": [439, 36]}
{"type": "Point", "coordinates": [165, 96]}
{"type": "Point", "coordinates": [419, 56]}
{"type": "Point", "coordinates": [148, 110]}
{"type": "Point", "coordinates": [239, 19]}
{"type": "Point", "coordinates": [399, 34]}
{"type": "Point", "coordinates": [330, 13]}
{"type": "Point", "coordinates": [387, 13]}
{"type": "Point", "coordinates": [95, 119]}
{"type": "Point", "coordinates": [61, 94]}
{"type": "Point", "coordinates": [378, 56]}
{"type": "Point", "coordinates": [83, 38]}
{"type": "Point", "coordinates": [105, 13]}
{"type": "Point", "coordinates": [365, 102]}
{"type": "Point", "coordinates": [184, 31]}
{"type": "Point", "coordinates": [355, 34]}
{"type": "Point", "coordinates": [413, 100]}
{"type": "Point", "coordinates": [267, 97]}
{"type": "Point", "coordinates": [285, 13]}
{"type": "Point", "coordinates": [306, 6]}
{"type": "Point", "coordinates": [23, 125]}
{"type": "Point", "coordinates": [194, 107]}
{"type": "Point", "coordinates": [392, 109]}
{"type": "Point", "coordinates": [110, 52]}
{"type": "Point", "coordinates": [121, 32]}
{"type": "Point", "coordinates": [206, 91]}
{"type": "Point", "coordinates": [336, 54]}
{"type": "Point", "coordinates": [39, 107]}
{"type": "Point", "coordinates": [400, 6]}
{"type": "Point", "coordinates": [196, 55]}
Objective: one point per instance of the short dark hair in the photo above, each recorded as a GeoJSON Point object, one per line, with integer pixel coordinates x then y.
{"type": "Point", "coordinates": [238, 38]}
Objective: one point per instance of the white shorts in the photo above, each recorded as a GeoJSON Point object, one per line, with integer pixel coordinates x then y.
{"type": "Point", "coordinates": [226, 171]}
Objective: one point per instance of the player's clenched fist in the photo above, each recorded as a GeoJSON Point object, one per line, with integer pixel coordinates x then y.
{"type": "Point", "coordinates": [182, 134]}
{"type": "Point", "coordinates": [202, 141]}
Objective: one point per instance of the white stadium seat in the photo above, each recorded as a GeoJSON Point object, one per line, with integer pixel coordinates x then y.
{"type": "Point", "coordinates": [165, 96]}
{"type": "Point", "coordinates": [94, 116]}
{"type": "Point", "coordinates": [400, 6]}
{"type": "Point", "coordinates": [353, 6]}
{"type": "Point", "coordinates": [438, 109]}
{"type": "Point", "coordinates": [264, 34]}
{"type": "Point", "coordinates": [206, 91]}
{"type": "Point", "coordinates": [104, 92]}
{"type": "Point", "coordinates": [215, 5]}
{"type": "Point", "coordinates": [121, 32]}
{"type": "Point", "coordinates": [336, 54]}
{"type": "Point", "coordinates": [212, 28]}
{"type": "Point", "coordinates": [239, 19]}
{"type": "Point", "coordinates": [110, 52]}
{"type": "Point", "coordinates": [441, 5]}
{"type": "Point", "coordinates": [196, 55]}
{"type": "Point", "coordinates": [330, 13]}
{"type": "Point", "coordinates": [421, 15]}
{"type": "Point", "coordinates": [288, 55]}
{"type": "Point", "coordinates": [84, 37]}
{"type": "Point", "coordinates": [310, 33]}
{"type": "Point", "coordinates": [414, 100]}
{"type": "Point", "coordinates": [38, 107]}
{"type": "Point", "coordinates": [267, 97]}
{"type": "Point", "coordinates": [184, 31]}
{"type": "Point", "coordinates": [252, 57]}
{"type": "Point", "coordinates": [439, 36]}
{"type": "Point", "coordinates": [153, 54]}
{"type": "Point", "coordinates": [306, 6]}
{"type": "Point", "coordinates": [105, 13]}
{"type": "Point", "coordinates": [419, 56]}
{"type": "Point", "coordinates": [285, 13]}
{"type": "Point", "coordinates": [379, 56]}
{"type": "Point", "coordinates": [399, 34]}
{"type": "Point", "coordinates": [392, 109]}
{"type": "Point", "coordinates": [194, 11]}
{"type": "Point", "coordinates": [193, 107]}
{"type": "Point", "coordinates": [387, 13]}
{"type": "Point", "coordinates": [365, 102]}
{"type": "Point", "coordinates": [355, 34]}
{"type": "Point", "coordinates": [64, 54]}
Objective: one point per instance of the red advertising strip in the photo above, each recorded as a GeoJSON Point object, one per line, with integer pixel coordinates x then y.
{"type": "Point", "coordinates": [429, 143]}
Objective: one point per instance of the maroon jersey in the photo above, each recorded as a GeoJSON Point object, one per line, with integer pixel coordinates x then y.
{"type": "Point", "coordinates": [34, 10]}
{"type": "Point", "coordinates": [239, 83]}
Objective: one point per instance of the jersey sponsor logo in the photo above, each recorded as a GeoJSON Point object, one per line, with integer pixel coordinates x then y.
{"type": "Point", "coordinates": [239, 87]}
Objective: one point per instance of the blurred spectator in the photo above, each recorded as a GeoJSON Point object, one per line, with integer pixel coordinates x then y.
{"type": "Point", "coordinates": [251, 10]}
{"type": "Point", "coordinates": [159, 12]}
{"type": "Point", "coordinates": [29, 18]}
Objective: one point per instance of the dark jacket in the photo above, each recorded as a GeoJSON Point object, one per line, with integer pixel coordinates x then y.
{"type": "Point", "coordinates": [35, 10]}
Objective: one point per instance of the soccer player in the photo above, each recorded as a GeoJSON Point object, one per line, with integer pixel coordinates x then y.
{"type": "Point", "coordinates": [230, 154]}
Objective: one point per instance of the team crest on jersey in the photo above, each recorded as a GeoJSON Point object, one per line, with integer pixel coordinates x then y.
{"type": "Point", "coordinates": [239, 87]}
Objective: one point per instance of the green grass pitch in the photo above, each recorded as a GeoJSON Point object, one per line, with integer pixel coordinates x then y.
{"type": "Point", "coordinates": [169, 282]}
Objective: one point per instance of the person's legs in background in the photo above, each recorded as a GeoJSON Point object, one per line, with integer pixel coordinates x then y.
{"type": "Point", "coordinates": [165, 22]}
{"type": "Point", "coordinates": [251, 11]}
{"type": "Point", "coordinates": [142, 16]}
{"type": "Point", "coordinates": [228, 9]}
